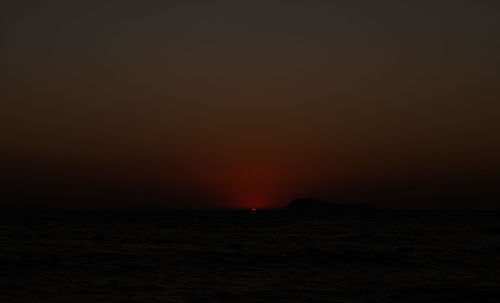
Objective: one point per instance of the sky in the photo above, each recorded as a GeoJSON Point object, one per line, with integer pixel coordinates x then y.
{"type": "Point", "coordinates": [242, 104]}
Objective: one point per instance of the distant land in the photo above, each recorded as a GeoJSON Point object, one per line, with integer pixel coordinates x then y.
{"type": "Point", "coordinates": [314, 207]}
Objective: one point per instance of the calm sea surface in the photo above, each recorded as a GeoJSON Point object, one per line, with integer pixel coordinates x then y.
{"type": "Point", "coordinates": [241, 257]}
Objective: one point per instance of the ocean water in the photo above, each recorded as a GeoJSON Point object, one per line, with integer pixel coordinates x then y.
{"type": "Point", "coordinates": [241, 257]}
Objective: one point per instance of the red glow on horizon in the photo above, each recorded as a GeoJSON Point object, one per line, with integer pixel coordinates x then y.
{"type": "Point", "coordinates": [253, 184]}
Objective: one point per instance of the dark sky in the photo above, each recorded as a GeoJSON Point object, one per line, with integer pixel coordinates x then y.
{"type": "Point", "coordinates": [202, 104]}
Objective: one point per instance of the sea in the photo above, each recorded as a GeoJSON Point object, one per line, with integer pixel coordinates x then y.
{"type": "Point", "coordinates": [239, 256]}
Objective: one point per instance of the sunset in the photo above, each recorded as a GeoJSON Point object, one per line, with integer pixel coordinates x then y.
{"type": "Point", "coordinates": [187, 124]}
{"type": "Point", "coordinates": [225, 100]}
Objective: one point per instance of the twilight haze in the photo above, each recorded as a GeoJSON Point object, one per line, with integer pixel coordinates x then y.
{"type": "Point", "coordinates": [240, 104]}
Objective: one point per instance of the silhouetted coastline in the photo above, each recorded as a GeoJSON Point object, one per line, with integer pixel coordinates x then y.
{"type": "Point", "coordinates": [310, 207]}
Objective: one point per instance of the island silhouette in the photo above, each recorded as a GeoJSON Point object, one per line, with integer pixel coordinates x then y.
{"type": "Point", "coordinates": [307, 207]}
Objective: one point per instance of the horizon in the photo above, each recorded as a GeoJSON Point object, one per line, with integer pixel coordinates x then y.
{"type": "Point", "coordinates": [248, 104]}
